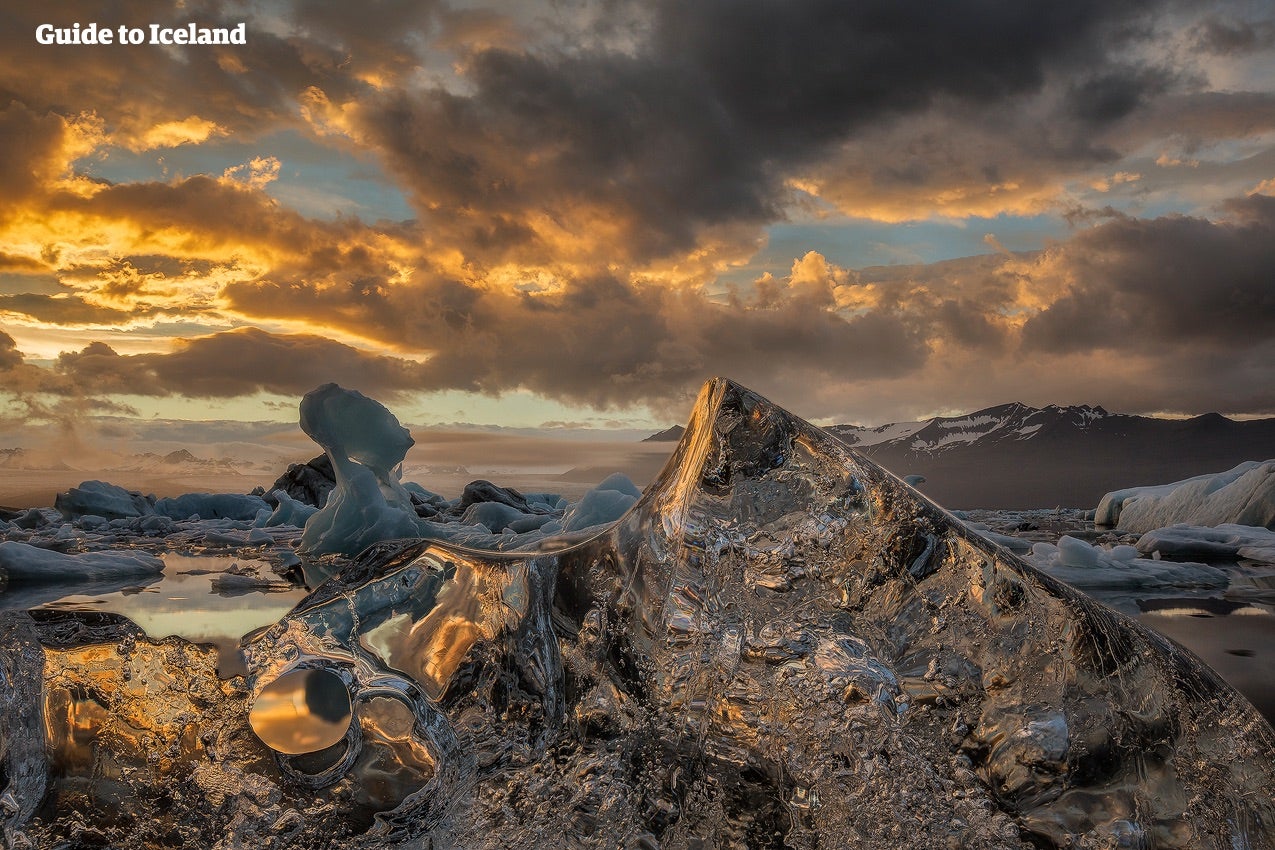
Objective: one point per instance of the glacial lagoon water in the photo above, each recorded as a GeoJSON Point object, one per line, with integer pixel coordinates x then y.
{"type": "Point", "coordinates": [193, 600]}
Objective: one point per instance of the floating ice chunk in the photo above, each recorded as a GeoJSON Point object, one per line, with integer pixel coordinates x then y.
{"type": "Point", "coordinates": [288, 511]}
{"type": "Point", "coordinates": [240, 583]}
{"type": "Point", "coordinates": [530, 522]}
{"type": "Point", "coordinates": [620, 483]}
{"type": "Point", "coordinates": [1244, 495]}
{"type": "Point", "coordinates": [102, 499]}
{"type": "Point", "coordinates": [605, 503]}
{"type": "Point", "coordinates": [216, 533]}
{"type": "Point", "coordinates": [547, 501]}
{"type": "Point", "coordinates": [1014, 544]}
{"type": "Point", "coordinates": [27, 564]}
{"type": "Point", "coordinates": [1224, 541]}
{"type": "Point", "coordinates": [211, 506]}
{"type": "Point", "coordinates": [366, 445]}
{"type": "Point", "coordinates": [497, 516]}
{"type": "Point", "coordinates": [1093, 567]}
{"type": "Point", "coordinates": [1077, 553]}
{"type": "Point", "coordinates": [153, 525]}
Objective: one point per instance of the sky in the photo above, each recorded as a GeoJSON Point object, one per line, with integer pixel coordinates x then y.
{"type": "Point", "coordinates": [570, 214]}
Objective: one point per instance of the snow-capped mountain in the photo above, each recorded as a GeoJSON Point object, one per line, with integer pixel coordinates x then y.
{"type": "Point", "coordinates": [1003, 423]}
{"type": "Point", "coordinates": [179, 462]}
{"type": "Point", "coordinates": [20, 458]}
{"type": "Point", "coordinates": [1015, 456]}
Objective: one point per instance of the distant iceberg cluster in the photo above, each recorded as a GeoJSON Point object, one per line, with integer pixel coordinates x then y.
{"type": "Point", "coordinates": [1164, 531]}
{"type": "Point", "coordinates": [348, 499]}
{"type": "Point", "coordinates": [1090, 567]}
{"type": "Point", "coordinates": [366, 445]}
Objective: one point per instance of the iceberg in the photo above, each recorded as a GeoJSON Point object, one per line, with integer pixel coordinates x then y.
{"type": "Point", "coordinates": [287, 511]}
{"type": "Point", "coordinates": [1223, 541]}
{"type": "Point", "coordinates": [98, 498]}
{"type": "Point", "coordinates": [210, 506]}
{"type": "Point", "coordinates": [778, 644]}
{"type": "Point", "coordinates": [365, 445]}
{"type": "Point", "coordinates": [1244, 495]}
{"type": "Point", "coordinates": [22, 563]}
{"type": "Point", "coordinates": [1118, 568]}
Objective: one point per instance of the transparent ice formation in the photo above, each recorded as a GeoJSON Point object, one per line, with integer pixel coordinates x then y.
{"type": "Point", "coordinates": [779, 645]}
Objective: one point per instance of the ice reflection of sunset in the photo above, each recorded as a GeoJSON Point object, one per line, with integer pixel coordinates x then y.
{"type": "Point", "coordinates": [303, 711]}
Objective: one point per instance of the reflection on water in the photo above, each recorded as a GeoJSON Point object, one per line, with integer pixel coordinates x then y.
{"type": "Point", "coordinates": [303, 711]}
{"type": "Point", "coordinates": [1233, 631]}
{"type": "Point", "coordinates": [1234, 638]}
{"type": "Point", "coordinates": [182, 602]}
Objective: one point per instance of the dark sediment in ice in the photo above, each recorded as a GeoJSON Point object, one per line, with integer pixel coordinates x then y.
{"type": "Point", "coordinates": [308, 483]}
{"type": "Point", "coordinates": [479, 492]}
{"type": "Point", "coordinates": [780, 645]}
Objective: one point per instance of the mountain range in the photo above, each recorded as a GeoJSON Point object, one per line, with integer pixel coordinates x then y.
{"type": "Point", "coordinates": [1016, 457]}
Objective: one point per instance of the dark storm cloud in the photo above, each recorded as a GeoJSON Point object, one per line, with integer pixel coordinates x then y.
{"type": "Point", "coordinates": [603, 341]}
{"type": "Point", "coordinates": [802, 73]}
{"type": "Point", "coordinates": [236, 363]}
{"type": "Point", "coordinates": [64, 310]}
{"type": "Point", "coordinates": [32, 145]}
{"type": "Point", "coordinates": [10, 357]}
{"type": "Point", "coordinates": [1141, 285]}
{"type": "Point", "coordinates": [600, 131]}
{"type": "Point", "coordinates": [1230, 36]}
{"type": "Point", "coordinates": [1115, 93]}
{"type": "Point", "coordinates": [701, 124]}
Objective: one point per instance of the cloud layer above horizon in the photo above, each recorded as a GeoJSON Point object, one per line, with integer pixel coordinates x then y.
{"type": "Point", "coordinates": [578, 201]}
